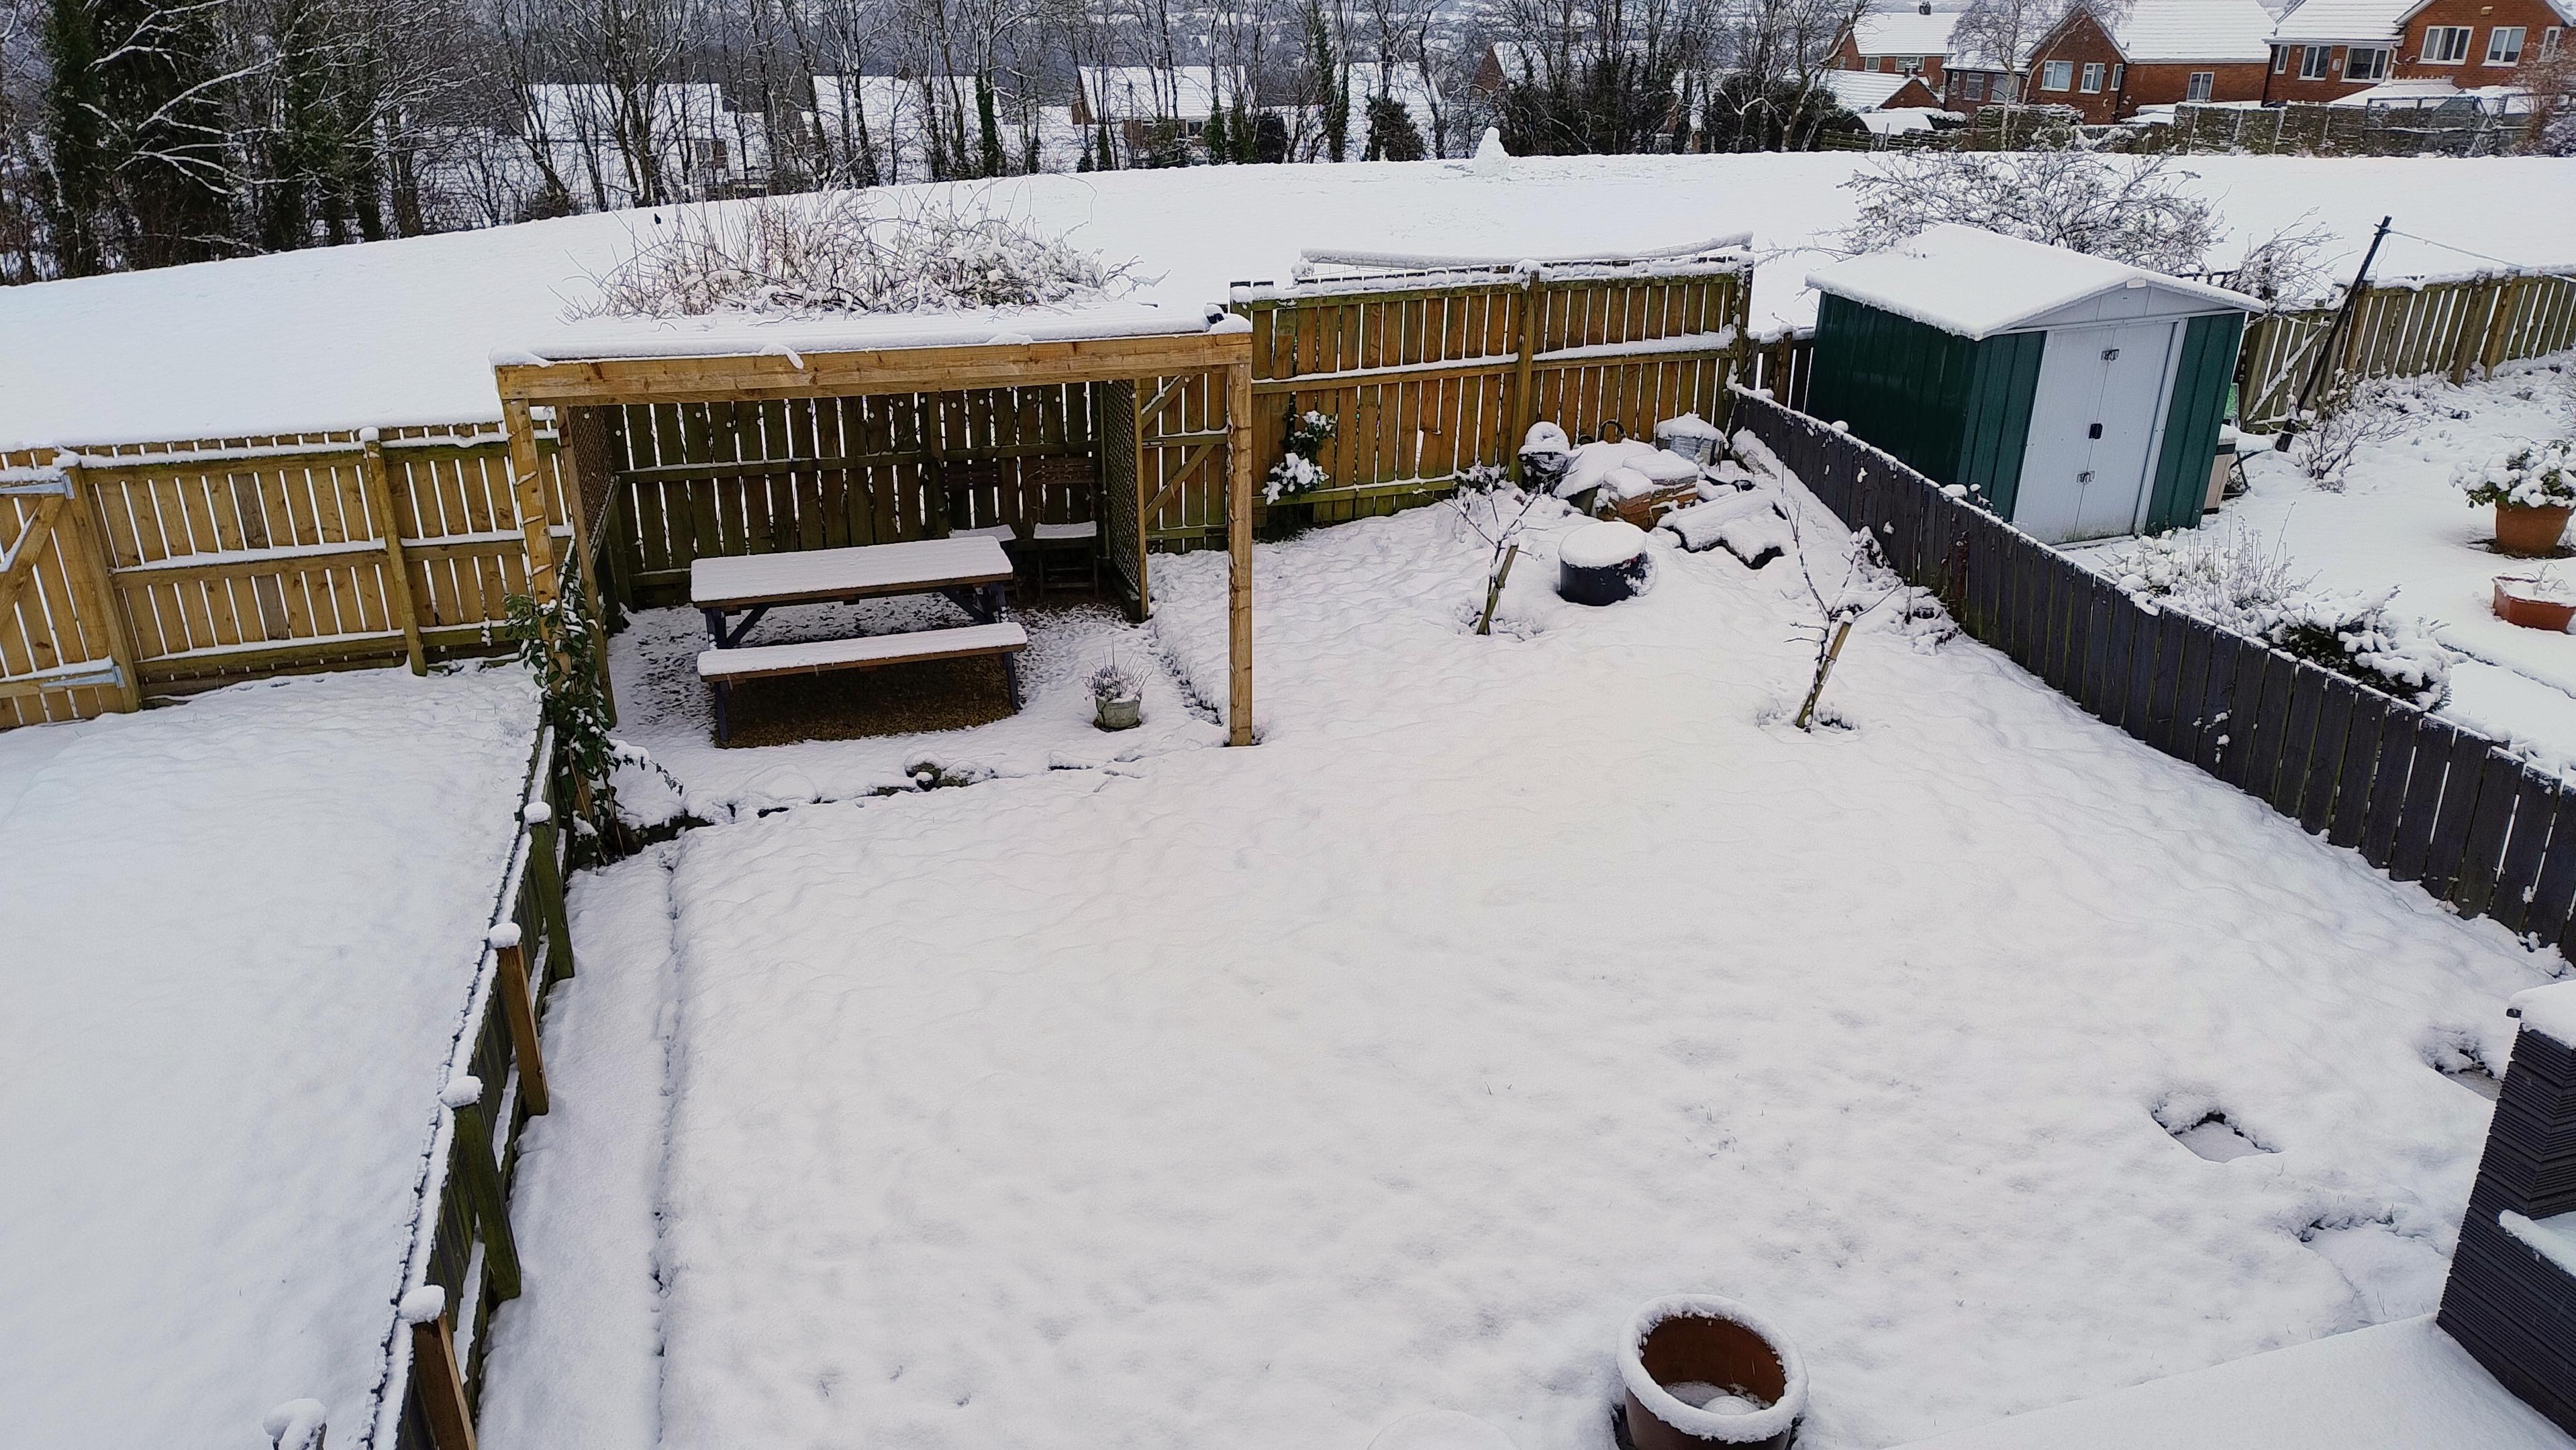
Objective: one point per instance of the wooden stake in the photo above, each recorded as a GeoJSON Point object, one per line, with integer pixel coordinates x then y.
{"type": "Point", "coordinates": [378, 484]}
{"type": "Point", "coordinates": [31, 542]}
{"type": "Point", "coordinates": [94, 593]}
{"type": "Point", "coordinates": [439, 1386]}
{"type": "Point", "coordinates": [1238, 536]}
{"type": "Point", "coordinates": [1833, 652]}
{"type": "Point", "coordinates": [1494, 590]}
{"type": "Point", "coordinates": [483, 1189]}
{"type": "Point", "coordinates": [520, 1007]}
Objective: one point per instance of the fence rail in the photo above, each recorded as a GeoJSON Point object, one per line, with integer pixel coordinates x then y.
{"type": "Point", "coordinates": [2418, 796]}
{"type": "Point", "coordinates": [2407, 329]}
{"type": "Point", "coordinates": [179, 565]}
{"type": "Point", "coordinates": [462, 1240]}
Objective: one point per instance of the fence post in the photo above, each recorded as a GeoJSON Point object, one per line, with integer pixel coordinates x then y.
{"type": "Point", "coordinates": [380, 502]}
{"type": "Point", "coordinates": [2500, 321]}
{"type": "Point", "coordinates": [436, 1382]}
{"type": "Point", "coordinates": [519, 1007]}
{"type": "Point", "coordinates": [2469, 341]}
{"type": "Point", "coordinates": [94, 595]}
{"type": "Point", "coordinates": [1524, 374]}
{"type": "Point", "coordinates": [467, 1101]}
{"type": "Point", "coordinates": [546, 873]}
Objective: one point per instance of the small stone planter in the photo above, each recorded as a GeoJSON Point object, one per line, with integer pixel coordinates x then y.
{"type": "Point", "coordinates": [1120, 712]}
{"type": "Point", "coordinates": [1701, 1371]}
{"type": "Point", "coordinates": [1602, 563]}
{"type": "Point", "coordinates": [2529, 529]}
{"type": "Point", "coordinates": [2534, 603]}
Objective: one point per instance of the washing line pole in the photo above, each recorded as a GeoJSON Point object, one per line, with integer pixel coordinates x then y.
{"type": "Point", "coordinates": [2333, 339]}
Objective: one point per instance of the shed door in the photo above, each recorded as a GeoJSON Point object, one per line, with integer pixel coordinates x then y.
{"type": "Point", "coordinates": [2096, 419]}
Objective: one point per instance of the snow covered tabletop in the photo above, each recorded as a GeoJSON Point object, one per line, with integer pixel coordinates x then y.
{"type": "Point", "coordinates": [239, 938]}
{"type": "Point", "coordinates": [737, 334]}
{"type": "Point", "coordinates": [915, 566]}
{"type": "Point", "coordinates": [2399, 1386]}
{"type": "Point", "coordinates": [1975, 283]}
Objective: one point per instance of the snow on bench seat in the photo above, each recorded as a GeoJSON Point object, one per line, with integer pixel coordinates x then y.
{"type": "Point", "coordinates": [756, 661]}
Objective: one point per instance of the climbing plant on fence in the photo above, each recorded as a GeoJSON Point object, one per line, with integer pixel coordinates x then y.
{"type": "Point", "coordinates": [2418, 796]}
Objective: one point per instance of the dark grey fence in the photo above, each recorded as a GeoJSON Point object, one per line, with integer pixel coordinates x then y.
{"type": "Point", "coordinates": [2418, 796]}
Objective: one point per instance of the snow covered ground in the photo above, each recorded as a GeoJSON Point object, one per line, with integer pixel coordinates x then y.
{"type": "Point", "coordinates": [1273, 1095]}
{"type": "Point", "coordinates": [2399, 522]}
{"type": "Point", "coordinates": [239, 938]}
{"type": "Point", "coordinates": [401, 332]}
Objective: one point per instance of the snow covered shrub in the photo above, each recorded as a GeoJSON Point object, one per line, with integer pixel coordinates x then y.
{"type": "Point", "coordinates": [1496, 511]}
{"type": "Point", "coordinates": [1300, 470]}
{"type": "Point", "coordinates": [1846, 581]}
{"type": "Point", "coordinates": [561, 647]}
{"type": "Point", "coordinates": [2537, 475]}
{"type": "Point", "coordinates": [846, 252]}
{"type": "Point", "coordinates": [2116, 207]}
{"type": "Point", "coordinates": [1114, 681]}
{"type": "Point", "coordinates": [2285, 266]}
{"type": "Point", "coordinates": [2232, 579]}
{"type": "Point", "coordinates": [2347, 421]}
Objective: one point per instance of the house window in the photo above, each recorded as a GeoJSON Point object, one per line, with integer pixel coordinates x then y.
{"type": "Point", "coordinates": [2365, 63]}
{"type": "Point", "coordinates": [2446, 44]}
{"type": "Point", "coordinates": [2093, 78]}
{"type": "Point", "coordinates": [2504, 45]}
{"type": "Point", "coordinates": [1874, 62]}
{"type": "Point", "coordinates": [2057, 75]}
{"type": "Point", "coordinates": [2202, 82]}
{"type": "Point", "coordinates": [2549, 42]}
{"type": "Point", "coordinates": [1910, 64]}
{"type": "Point", "coordinates": [1973, 86]}
{"type": "Point", "coordinates": [2313, 60]}
{"type": "Point", "coordinates": [2119, 76]}
{"type": "Point", "coordinates": [2280, 60]}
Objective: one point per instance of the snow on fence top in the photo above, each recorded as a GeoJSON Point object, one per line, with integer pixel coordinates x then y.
{"type": "Point", "coordinates": [737, 334]}
{"type": "Point", "coordinates": [1976, 283]}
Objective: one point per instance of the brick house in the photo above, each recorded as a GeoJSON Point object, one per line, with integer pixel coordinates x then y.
{"type": "Point", "coordinates": [1912, 42]}
{"type": "Point", "coordinates": [2328, 49]}
{"type": "Point", "coordinates": [1863, 91]}
{"type": "Point", "coordinates": [2164, 52]}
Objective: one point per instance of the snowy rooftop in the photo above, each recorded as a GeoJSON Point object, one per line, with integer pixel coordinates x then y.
{"type": "Point", "coordinates": [1975, 283]}
{"type": "Point", "coordinates": [2321, 20]}
{"type": "Point", "coordinates": [2207, 30]}
{"type": "Point", "coordinates": [1864, 90]}
{"type": "Point", "coordinates": [734, 334]}
{"type": "Point", "coordinates": [241, 935]}
{"type": "Point", "coordinates": [2394, 1386]}
{"type": "Point", "coordinates": [1904, 33]}
{"type": "Point", "coordinates": [399, 332]}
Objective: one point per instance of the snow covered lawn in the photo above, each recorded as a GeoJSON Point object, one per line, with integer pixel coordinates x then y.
{"type": "Point", "coordinates": [1272, 1095]}
{"type": "Point", "coordinates": [239, 937]}
{"type": "Point", "coordinates": [2400, 523]}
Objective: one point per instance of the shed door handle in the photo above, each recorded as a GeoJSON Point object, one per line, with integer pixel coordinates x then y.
{"type": "Point", "coordinates": [2094, 432]}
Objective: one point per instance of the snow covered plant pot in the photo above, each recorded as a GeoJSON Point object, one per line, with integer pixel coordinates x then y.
{"type": "Point", "coordinates": [1117, 697]}
{"type": "Point", "coordinates": [1602, 563]}
{"type": "Point", "coordinates": [2535, 601]}
{"type": "Point", "coordinates": [2533, 489]}
{"type": "Point", "coordinates": [1700, 1370]}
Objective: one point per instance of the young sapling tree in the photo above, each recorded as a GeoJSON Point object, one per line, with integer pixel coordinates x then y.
{"type": "Point", "coordinates": [1845, 583]}
{"type": "Point", "coordinates": [1497, 512]}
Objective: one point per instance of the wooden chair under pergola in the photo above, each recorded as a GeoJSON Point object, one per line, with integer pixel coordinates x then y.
{"type": "Point", "coordinates": [1144, 366]}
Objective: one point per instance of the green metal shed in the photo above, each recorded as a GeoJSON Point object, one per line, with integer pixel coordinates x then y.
{"type": "Point", "coordinates": [2080, 397]}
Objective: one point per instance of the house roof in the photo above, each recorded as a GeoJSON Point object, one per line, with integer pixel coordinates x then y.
{"type": "Point", "coordinates": [2179, 30]}
{"type": "Point", "coordinates": [1864, 90]}
{"type": "Point", "coordinates": [1146, 92]}
{"type": "Point", "coordinates": [1977, 283]}
{"type": "Point", "coordinates": [2327, 20]}
{"type": "Point", "coordinates": [1904, 32]}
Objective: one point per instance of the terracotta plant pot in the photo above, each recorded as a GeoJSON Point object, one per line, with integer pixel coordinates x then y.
{"type": "Point", "coordinates": [2532, 603]}
{"type": "Point", "coordinates": [1119, 714]}
{"type": "Point", "coordinates": [2529, 530]}
{"type": "Point", "coordinates": [1701, 1371]}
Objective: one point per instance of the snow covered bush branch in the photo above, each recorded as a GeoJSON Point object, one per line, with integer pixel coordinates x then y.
{"type": "Point", "coordinates": [2286, 266]}
{"type": "Point", "coordinates": [846, 252]}
{"type": "Point", "coordinates": [1301, 470]}
{"type": "Point", "coordinates": [1842, 590]}
{"type": "Point", "coordinates": [2347, 421]}
{"type": "Point", "coordinates": [2115, 207]}
{"type": "Point", "coordinates": [2232, 579]}
{"type": "Point", "coordinates": [2538, 475]}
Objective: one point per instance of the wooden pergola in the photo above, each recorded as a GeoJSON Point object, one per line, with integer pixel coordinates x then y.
{"type": "Point", "coordinates": [614, 367]}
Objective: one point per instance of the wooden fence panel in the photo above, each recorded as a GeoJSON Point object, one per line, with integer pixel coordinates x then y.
{"type": "Point", "coordinates": [2406, 328]}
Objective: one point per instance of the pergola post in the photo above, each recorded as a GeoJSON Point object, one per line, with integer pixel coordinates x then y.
{"type": "Point", "coordinates": [1238, 542]}
{"type": "Point", "coordinates": [528, 484]}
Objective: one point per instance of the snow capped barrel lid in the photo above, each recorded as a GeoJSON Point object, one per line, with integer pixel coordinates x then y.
{"type": "Point", "coordinates": [1976, 283]}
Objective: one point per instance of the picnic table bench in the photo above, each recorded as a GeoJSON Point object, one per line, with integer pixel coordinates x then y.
{"type": "Point", "coordinates": [969, 572]}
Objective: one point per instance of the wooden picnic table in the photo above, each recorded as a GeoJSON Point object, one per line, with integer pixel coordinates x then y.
{"type": "Point", "coordinates": [969, 571]}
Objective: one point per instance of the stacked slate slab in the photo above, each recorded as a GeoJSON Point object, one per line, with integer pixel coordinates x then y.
{"type": "Point", "coordinates": [2510, 1305]}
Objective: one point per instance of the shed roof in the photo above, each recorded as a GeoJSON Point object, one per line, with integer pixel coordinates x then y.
{"type": "Point", "coordinates": [1977, 283]}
